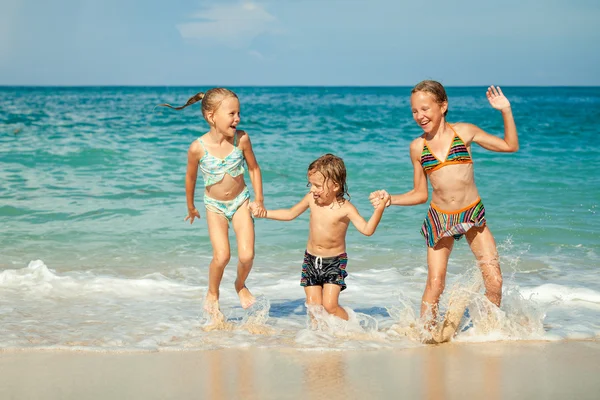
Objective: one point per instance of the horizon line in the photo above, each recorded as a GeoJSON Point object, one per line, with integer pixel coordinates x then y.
{"type": "Point", "coordinates": [278, 86]}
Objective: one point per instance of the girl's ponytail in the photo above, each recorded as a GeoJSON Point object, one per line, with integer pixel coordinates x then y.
{"type": "Point", "coordinates": [194, 99]}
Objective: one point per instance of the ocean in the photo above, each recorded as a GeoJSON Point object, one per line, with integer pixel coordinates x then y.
{"type": "Point", "coordinates": [95, 254]}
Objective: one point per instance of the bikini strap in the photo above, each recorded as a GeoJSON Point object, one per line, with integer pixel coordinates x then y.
{"type": "Point", "coordinates": [456, 133]}
{"type": "Point", "coordinates": [202, 144]}
{"type": "Point", "coordinates": [235, 136]}
{"type": "Point", "coordinates": [424, 146]}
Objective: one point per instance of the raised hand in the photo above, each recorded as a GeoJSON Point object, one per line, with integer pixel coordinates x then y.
{"type": "Point", "coordinates": [497, 98]}
{"type": "Point", "coordinates": [192, 214]}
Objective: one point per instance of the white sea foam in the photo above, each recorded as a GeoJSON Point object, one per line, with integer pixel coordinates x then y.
{"type": "Point", "coordinates": [42, 308]}
{"type": "Point", "coordinates": [551, 293]}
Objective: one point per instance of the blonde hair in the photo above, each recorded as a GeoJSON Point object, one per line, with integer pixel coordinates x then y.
{"type": "Point", "coordinates": [332, 168]}
{"type": "Point", "coordinates": [211, 100]}
{"type": "Point", "coordinates": [434, 88]}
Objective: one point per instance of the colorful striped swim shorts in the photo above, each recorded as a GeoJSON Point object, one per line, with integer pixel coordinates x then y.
{"type": "Point", "coordinates": [317, 271]}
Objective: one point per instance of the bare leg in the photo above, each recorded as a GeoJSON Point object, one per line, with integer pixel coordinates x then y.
{"type": "Point", "coordinates": [437, 262]}
{"type": "Point", "coordinates": [314, 297]}
{"type": "Point", "coordinates": [331, 295]}
{"type": "Point", "coordinates": [244, 232]}
{"type": "Point", "coordinates": [483, 246]}
{"type": "Point", "coordinates": [218, 231]}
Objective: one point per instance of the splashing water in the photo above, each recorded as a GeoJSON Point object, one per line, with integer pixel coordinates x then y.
{"type": "Point", "coordinates": [466, 314]}
{"type": "Point", "coordinates": [256, 317]}
{"type": "Point", "coordinates": [324, 329]}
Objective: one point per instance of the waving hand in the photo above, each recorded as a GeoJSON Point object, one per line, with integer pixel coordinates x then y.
{"type": "Point", "coordinates": [497, 98]}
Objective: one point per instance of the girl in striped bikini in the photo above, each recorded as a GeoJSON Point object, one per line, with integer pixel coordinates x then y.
{"type": "Point", "coordinates": [443, 155]}
{"type": "Point", "coordinates": [220, 155]}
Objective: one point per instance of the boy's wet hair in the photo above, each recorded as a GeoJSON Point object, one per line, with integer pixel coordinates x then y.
{"type": "Point", "coordinates": [434, 88]}
{"type": "Point", "coordinates": [331, 167]}
{"type": "Point", "coordinates": [211, 100]}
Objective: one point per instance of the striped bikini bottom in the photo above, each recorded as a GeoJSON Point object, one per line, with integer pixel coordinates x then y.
{"type": "Point", "coordinates": [440, 224]}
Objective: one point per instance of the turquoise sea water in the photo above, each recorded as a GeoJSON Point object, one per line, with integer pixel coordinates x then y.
{"type": "Point", "coordinates": [94, 252]}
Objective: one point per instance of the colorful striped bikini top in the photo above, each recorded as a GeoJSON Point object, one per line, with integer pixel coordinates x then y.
{"type": "Point", "coordinates": [213, 169]}
{"type": "Point", "coordinates": [457, 154]}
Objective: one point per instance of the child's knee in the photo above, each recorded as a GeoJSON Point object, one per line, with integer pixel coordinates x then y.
{"type": "Point", "coordinates": [246, 257]}
{"type": "Point", "coordinates": [331, 305]}
{"type": "Point", "coordinates": [490, 268]}
{"type": "Point", "coordinates": [489, 261]}
{"type": "Point", "coordinates": [221, 258]}
{"type": "Point", "coordinates": [436, 283]}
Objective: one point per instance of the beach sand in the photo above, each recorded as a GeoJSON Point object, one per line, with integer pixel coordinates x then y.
{"type": "Point", "coordinates": [498, 370]}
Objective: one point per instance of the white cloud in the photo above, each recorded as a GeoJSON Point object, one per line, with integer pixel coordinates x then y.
{"type": "Point", "coordinates": [234, 25]}
{"type": "Point", "coordinates": [256, 54]}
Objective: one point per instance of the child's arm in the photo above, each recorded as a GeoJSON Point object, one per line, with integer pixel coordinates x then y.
{"type": "Point", "coordinates": [510, 142]}
{"type": "Point", "coordinates": [284, 214]}
{"type": "Point", "coordinates": [364, 227]}
{"type": "Point", "coordinates": [194, 155]}
{"type": "Point", "coordinates": [419, 193]}
{"type": "Point", "coordinates": [254, 172]}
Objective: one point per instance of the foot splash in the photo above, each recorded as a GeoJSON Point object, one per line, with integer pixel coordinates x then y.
{"type": "Point", "coordinates": [246, 298]}
{"type": "Point", "coordinates": [457, 304]}
{"type": "Point", "coordinates": [213, 317]}
{"type": "Point", "coordinates": [358, 325]}
{"type": "Point", "coordinates": [257, 315]}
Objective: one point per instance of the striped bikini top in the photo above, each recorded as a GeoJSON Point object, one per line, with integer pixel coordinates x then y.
{"type": "Point", "coordinates": [457, 154]}
{"type": "Point", "coordinates": [213, 169]}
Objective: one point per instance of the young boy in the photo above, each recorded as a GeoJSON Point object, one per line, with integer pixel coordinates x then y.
{"type": "Point", "coordinates": [325, 259]}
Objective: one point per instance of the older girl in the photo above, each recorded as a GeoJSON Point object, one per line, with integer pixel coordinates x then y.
{"type": "Point", "coordinates": [442, 154]}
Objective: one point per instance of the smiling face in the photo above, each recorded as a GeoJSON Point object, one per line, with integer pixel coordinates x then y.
{"type": "Point", "coordinates": [428, 113]}
{"type": "Point", "coordinates": [226, 117]}
{"type": "Point", "coordinates": [324, 191]}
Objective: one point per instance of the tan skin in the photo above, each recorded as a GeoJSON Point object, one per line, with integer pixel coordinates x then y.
{"type": "Point", "coordinates": [219, 142]}
{"type": "Point", "coordinates": [454, 188]}
{"type": "Point", "coordinates": [330, 217]}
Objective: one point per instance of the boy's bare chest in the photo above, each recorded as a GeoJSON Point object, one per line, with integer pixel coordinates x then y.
{"type": "Point", "coordinates": [325, 217]}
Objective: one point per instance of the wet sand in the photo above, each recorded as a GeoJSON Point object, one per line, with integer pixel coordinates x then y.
{"type": "Point", "coordinates": [499, 370]}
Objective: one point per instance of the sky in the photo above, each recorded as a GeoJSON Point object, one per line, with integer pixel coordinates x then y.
{"type": "Point", "coordinates": [299, 42]}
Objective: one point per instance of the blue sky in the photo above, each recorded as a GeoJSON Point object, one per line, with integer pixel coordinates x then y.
{"type": "Point", "coordinates": [299, 42]}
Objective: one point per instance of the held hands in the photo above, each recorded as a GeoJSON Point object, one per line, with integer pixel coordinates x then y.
{"type": "Point", "coordinates": [497, 99]}
{"type": "Point", "coordinates": [257, 209]}
{"type": "Point", "coordinates": [380, 197]}
{"type": "Point", "coordinates": [192, 214]}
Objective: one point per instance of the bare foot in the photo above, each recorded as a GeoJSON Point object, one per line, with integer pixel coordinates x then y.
{"type": "Point", "coordinates": [444, 331]}
{"type": "Point", "coordinates": [246, 298]}
{"type": "Point", "coordinates": [211, 309]}
{"type": "Point", "coordinates": [211, 303]}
